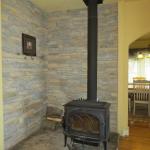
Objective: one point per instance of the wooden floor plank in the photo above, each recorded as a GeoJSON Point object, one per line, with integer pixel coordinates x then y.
{"type": "Point", "coordinates": [139, 139]}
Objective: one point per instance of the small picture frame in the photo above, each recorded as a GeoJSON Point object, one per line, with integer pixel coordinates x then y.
{"type": "Point", "coordinates": [28, 45]}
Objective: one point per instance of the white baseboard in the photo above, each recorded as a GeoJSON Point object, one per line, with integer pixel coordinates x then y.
{"type": "Point", "coordinates": [125, 132]}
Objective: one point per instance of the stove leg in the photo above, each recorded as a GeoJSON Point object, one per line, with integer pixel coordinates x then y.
{"type": "Point", "coordinates": [105, 145]}
{"type": "Point", "coordinates": [65, 141]}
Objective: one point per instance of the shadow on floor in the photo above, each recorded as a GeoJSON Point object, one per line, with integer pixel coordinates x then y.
{"type": "Point", "coordinates": [46, 139]}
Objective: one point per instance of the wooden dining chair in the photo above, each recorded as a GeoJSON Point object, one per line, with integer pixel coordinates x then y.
{"type": "Point", "coordinates": [141, 96]}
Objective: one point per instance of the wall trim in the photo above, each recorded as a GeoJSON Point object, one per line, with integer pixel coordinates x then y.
{"type": "Point", "coordinates": [125, 132]}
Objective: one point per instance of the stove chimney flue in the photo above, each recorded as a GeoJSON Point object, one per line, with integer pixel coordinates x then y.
{"type": "Point", "coordinates": [92, 48]}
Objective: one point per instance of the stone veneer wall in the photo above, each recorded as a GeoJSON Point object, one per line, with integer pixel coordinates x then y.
{"type": "Point", "coordinates": [23, 79]}
{"type": "Point", "coordinates": [59, 72]}
{"type": "Point", "coordinates": [67, 57]}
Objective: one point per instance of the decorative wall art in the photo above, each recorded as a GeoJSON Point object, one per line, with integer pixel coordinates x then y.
{"type": "Point", "coordinates": [28, 45]}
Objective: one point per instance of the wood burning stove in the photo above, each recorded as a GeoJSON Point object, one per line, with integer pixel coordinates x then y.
{"type": "Point", "coordinates": [87, 121]}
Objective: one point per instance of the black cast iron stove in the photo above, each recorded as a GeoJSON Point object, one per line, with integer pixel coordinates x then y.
{"type": "Point", "coordinates": [87, 121]}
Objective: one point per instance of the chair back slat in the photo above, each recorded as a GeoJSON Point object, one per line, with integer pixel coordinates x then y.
{"type": "Point", "coordinates": [141, 92]}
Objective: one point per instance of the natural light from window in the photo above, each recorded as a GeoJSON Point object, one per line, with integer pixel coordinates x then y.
{"type": "Point", "coordinates": [139, 67]}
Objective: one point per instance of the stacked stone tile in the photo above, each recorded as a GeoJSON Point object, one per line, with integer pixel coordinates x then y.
{"type": "Point", "coordinates": [23, 77]}
{"type": "Point", "coordinates": [67, 57]}
{"type": "Point", "coordinates": [59, 72]}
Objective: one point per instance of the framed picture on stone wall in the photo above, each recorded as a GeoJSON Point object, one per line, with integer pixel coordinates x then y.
{"type": "Point", "coordinates": [28, 45]}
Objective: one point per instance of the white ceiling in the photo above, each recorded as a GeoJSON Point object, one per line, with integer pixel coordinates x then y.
{"type": "Point", "coordinates": [55, 5]}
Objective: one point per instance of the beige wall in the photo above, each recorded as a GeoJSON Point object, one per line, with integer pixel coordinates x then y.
{"type": "Point", "coordinates": [140, 43]}
{"type": "Point", "coordinates": [134, 22]}
{"type": "Point", "coordinates": [1, 105]}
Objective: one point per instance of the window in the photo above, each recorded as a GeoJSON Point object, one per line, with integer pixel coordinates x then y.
{"type": "Point", "coordinates": [139, 68]}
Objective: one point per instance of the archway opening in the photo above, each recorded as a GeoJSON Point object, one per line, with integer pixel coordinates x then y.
{"type": "Point", "coordinates": [139, 82]}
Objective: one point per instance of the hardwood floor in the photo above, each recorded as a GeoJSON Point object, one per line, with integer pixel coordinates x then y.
{"type": "Point", "coordinates": [139, 139]}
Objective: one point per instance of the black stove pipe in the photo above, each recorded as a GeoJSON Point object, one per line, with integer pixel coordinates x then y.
{"type": "Point", "coordinates": [92, 49]}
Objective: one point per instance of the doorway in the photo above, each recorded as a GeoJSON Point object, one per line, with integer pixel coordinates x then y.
{"type": "Point", "coordinates": [139, 82]}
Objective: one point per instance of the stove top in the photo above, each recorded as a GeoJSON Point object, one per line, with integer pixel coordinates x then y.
{"type": "Point", "coordinates": [87, 103]}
